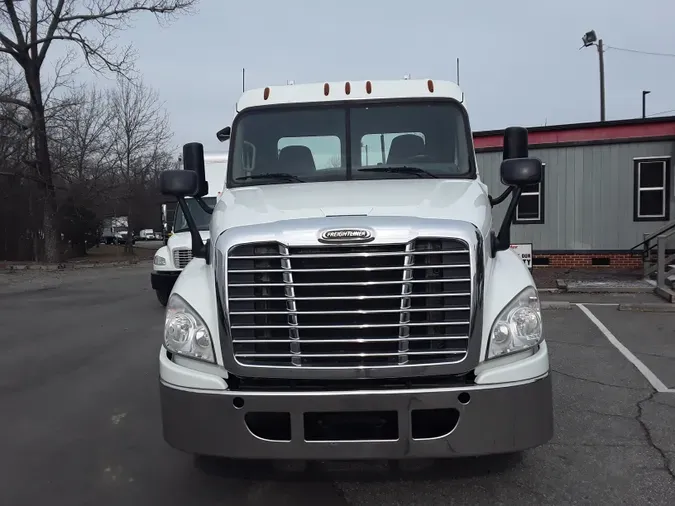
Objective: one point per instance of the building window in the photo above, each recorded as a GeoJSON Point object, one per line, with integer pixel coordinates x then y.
{"type": "Point", "coordinates": [651, 199]}
{"type": "Point", "coordinates": [530, 208]}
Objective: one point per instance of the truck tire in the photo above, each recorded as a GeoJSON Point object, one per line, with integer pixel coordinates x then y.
{"type": "Point", "coordinates": [162, 297]}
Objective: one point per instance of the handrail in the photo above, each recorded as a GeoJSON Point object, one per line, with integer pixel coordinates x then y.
{"type": "Point", "coordinates": [666, 228]}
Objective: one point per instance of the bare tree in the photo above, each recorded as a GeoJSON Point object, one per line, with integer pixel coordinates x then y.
{"type": "Point", "coordinates": [27, 31]}
{"type": "Point", "coordinates": [82, 138]}
{"type": "Point", "coordinates": [80, 148]}
{"type": "Point", "coordinates": [140, 135]}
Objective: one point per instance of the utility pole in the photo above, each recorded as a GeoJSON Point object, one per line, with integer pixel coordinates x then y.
{"type": "Point", "coordinates": [591, 39]}
{"type": "Point", "coordinates": [601, 58]}
{"type": "Point", "coordinates": [644, 103]}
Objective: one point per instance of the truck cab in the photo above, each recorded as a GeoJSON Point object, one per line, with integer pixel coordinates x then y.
{"type": "Point", "coordinates": [354, 298]}
{"type": "Point", "coordinates": [171, 259]}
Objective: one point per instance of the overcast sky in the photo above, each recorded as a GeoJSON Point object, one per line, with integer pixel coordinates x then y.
{"type": "Point", "coordinates": [520, 59]}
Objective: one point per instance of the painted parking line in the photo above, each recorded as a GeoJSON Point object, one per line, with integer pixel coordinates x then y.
{"type": "Point", "coordinates": [658, 385]}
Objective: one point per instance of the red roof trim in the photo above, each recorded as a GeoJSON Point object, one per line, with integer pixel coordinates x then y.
{"type": "Point", "coordinates": [585, 134]}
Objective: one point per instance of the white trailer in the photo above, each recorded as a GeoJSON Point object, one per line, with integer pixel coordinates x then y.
{"type": "Point", "coordinates": [349, 305]}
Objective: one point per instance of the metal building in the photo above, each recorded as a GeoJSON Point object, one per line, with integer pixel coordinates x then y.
{"type": "Point", "coordinates": [605, 185]}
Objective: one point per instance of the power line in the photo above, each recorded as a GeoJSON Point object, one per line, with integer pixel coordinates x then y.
{"type": "Point", "coordinates": [637, 51]}
{"type": "Point", "coordinates": [662, 112]}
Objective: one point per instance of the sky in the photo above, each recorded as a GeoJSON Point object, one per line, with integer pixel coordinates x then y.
{"type": "Point", "coordinates": [520, 62]}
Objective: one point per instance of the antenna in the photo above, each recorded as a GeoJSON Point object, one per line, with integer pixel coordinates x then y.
{"type": "Point", "coordinates": [457, 71]}
{"type": "Point", "coordinates": [243, 80]}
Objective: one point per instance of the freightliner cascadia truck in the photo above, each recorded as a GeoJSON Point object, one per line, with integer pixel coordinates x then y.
{"type": "Point", "coordinates": [354, 298]}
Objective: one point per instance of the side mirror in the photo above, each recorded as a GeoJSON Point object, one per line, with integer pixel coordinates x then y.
{"type": "Point", "coordinates": [515, 146]}
{"type": "Point", "coordinates": [178, 183]}
{"type": "Point", "coordinates": [193, 160]}
{"type": "Point", "coordinates": [224, 134]}
{"type": "Point", "coordinates": [517, 171]}
{"type": "Point", "coordinates": [181, 184]}
{"type": "Point", "coordinates": [521, 171]}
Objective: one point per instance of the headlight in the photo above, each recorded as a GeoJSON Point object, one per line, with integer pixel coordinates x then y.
{"type": "Point", "coordinates": [159, 260]}
{"type": "Point", "coordinates": [518, 327]}
{"type": "Point", "coordinates": [185, 333]}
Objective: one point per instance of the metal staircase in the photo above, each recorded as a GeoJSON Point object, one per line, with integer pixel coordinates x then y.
{"type": "Point", "coordinates": [658, 263]}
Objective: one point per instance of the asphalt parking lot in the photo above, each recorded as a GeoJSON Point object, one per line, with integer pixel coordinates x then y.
{"type": "Point", "coordinates": [80, 413]}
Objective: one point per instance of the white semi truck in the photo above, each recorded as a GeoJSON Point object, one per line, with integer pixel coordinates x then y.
{"type": "Point", "coordinates": [353, 306]}
{"type": "Point", "coordinates": [171, 259]}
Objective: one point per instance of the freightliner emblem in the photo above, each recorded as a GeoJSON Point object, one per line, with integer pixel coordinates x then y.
{"type": "Point", "coordinates": [346, 235]}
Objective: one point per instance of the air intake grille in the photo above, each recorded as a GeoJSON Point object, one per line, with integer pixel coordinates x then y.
{"type": "Point", "coordinates": [350, 306]}
{"type": "Point", "coordinates": [182, 257]}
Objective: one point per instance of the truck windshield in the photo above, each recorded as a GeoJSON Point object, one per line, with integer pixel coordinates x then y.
{"type": "Point", "coordinates": [202, 219]}
{"type": "Point", "coordinates": [357, 140]}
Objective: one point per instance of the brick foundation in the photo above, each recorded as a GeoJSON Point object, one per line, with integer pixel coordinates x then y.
{"type": "Point", "coordinates": [589, 260]}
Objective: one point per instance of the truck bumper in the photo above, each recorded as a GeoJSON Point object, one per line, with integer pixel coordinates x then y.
{"type": "Point", "coordinates": [394, 424]}
{"type": "Point", "coordinates": [163, 280]}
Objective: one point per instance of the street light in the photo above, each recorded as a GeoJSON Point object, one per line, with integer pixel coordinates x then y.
{"type": "Point", "coordinates": [591, 39]}
{"type": "Point", "coordinates": [644, 102]}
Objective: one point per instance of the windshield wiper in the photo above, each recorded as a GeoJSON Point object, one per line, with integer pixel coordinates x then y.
{"type": "Point", "coordinates": [401, 170]}
{"type": "Point", "coordinates": [271, 175]}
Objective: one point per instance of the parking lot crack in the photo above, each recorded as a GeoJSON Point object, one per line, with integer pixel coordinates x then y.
{"type": "Point", "coordinates": [613, 415]}
{"type": "Point", "coordinates": [595, 381]}
{"type": "Point", "coordinates": [667, 464]}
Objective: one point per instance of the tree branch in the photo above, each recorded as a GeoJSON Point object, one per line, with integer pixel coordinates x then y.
{"type": "Point", "coordinates": [156, 7]}
{"type": "Point", "coordinates": [53, 25]}
{"type": "Point", "coordinates": [14, 18]}
{"type": "Point", "coordinates": [16, 101]}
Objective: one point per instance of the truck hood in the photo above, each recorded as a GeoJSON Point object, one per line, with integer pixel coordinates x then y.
{"type": "Point", "coordinates": [464, 200]}
{"type": "Point", "coordinates": [184, 240]}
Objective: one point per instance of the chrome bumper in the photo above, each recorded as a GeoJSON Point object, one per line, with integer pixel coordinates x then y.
{"type": "Point", "coordinates": [489, 420]}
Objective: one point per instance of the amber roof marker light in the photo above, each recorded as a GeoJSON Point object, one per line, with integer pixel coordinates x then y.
{"type": "Point", "coordinates": [266, 93]}
{"type": "Point", "coordinates": [369, 87]}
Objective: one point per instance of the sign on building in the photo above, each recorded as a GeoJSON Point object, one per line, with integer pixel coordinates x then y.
{"type": "Point", "coordinates": [524, 251]}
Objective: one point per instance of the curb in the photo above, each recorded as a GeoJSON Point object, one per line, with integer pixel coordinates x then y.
{"type": "Point", "coordinates": [611, 289]}
{"type": "Point", "coordinates": [555, 304]}
{"type": "Point", "coordinates": [648, 307]}
{"type": "Point", "coordinates": [64, 266]}
{"type": "Point", "coordinates": [564, 286]}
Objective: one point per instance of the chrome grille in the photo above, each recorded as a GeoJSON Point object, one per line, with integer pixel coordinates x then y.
{"type": "Point", "coordinates": [350, 306]}
{"type": "Point", "coordinates": [182, 257]}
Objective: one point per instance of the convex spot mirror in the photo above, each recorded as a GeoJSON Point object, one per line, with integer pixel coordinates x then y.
{"type": "Point", "coordinates": [178, 183]}
{"type": "Point", "coordinates": [521, 171]}
{"type": "Point", "coordinates": [224, 134]}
